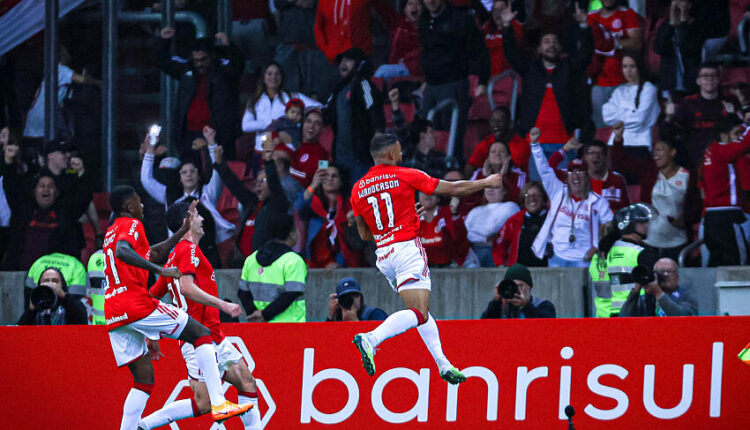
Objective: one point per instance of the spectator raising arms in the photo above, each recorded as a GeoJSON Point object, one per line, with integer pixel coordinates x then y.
{"type": "Point", "coordinates": [207, 94]}
{"type": "Point", "coordinates": [576, 213]}
{"type": "Point", "coordinates": [636, 104]}
{"type": "Point", "coordinates": [499, 161]}
{"type": "Point", "coordinates": [513, 242]}
{"type": "Point", "coordinates": [268, 103]}
{"type": "Point", "coordinates": [190, 186]}
{"type": "Point", "coordinates": [483, 222]}
{"type": "Point", "coordinates": [493, 37]}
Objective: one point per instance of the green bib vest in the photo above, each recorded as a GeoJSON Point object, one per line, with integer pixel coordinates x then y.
{"type": "Point", "coordinates": [97, 285]}
{"type": "Point", "coordinates": [286, 274]}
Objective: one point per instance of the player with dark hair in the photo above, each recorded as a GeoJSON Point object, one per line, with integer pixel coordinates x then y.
{"type": "Point", "coordinates": [383, 204]}
{"type": "Point", "coordinates": [196, 293]}
{"type": "Point", "coordinates": [136, 320]}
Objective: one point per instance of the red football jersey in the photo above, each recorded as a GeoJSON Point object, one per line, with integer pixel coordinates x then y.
{"type": "Point", "coordinates": [126, 298]}
{"type": "Point", "coordinates": [384, 197]}
{"type": "Point", "coordinates": [617, 24]}
{"type": "Point", "coordinates": [189, 260]}
{"type": "Point", "coordinates": [720, 182]}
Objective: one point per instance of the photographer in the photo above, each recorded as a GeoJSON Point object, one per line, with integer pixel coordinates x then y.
{"type": "Point", "coordinates": [51, 304]}
{"type": "Point", "coordinates": [663, 297]}
{"type": "Point", "coordinates": [513, 297]}
{"type": "Point", "coordinates": [348, 304]}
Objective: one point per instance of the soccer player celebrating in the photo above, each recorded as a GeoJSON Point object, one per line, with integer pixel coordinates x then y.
{"type": "Point", "coordinates": [196, 293]}
{"type": "Point", "coordinates": [383, 204]}
{"type": "Point", "coordinates": [135, 319]}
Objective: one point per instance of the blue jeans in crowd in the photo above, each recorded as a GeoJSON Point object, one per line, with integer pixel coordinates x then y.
{"type": "Point", "coordinates": [556, 261]}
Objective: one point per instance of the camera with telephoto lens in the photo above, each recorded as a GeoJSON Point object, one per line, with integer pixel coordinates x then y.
{"type": "Point", "coordinates": [346, 301]}
{"type": "Point", "coordinates": [43, 298]}
{"type": "Point", "coordinates": [643, 276]}
{"type": "Point", "coordinates": [507, 289]}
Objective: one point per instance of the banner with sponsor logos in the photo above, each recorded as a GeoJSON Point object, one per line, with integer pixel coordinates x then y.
{"type": "Point", "coordinates": [617, 373]}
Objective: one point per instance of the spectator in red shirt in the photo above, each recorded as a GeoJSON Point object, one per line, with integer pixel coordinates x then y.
{"type": "Point", "coordinates": [513, 242]}
{"type": "Point", "coordinates": [405, 46]}
{"type": "Point", "coordinates": [310, 152]}
{"type": "Point", "coordinates": [500, 126]}
{"type": "Point", "coordinates": [723, 216]}
{"type": "Point", "coordinates": [698, 118]}
{"type": "Point", "coordinates": [442, 232]}
{"type": "Point", "coordinates": [623, 25]}
{"type": "Point", "coordinates": [493, 37]}
{"type": "Point", "coordinates": [344, 24]}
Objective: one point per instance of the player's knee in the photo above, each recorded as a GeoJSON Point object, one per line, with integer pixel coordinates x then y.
{"type": "Point", "coordinates": [193, 331]}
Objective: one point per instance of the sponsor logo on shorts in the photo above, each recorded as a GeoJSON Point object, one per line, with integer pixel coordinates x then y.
{"type": "Point", "coordinates": [386, 255]}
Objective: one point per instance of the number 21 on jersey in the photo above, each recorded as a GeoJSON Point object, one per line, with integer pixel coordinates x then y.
{"type": "Point", "coordinates": [373, 201]}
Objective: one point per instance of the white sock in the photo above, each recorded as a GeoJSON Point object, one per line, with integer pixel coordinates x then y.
{"type": "Point", "coordinates": [431, 339]}
{"type": "Point", "coordinates": [394, 325]}
{"type": "Point", "coordinates": [251, 418]}
{"type": "Point", "coordinates": [134, 405]}
{"type": "Point", "coordinates": [205, 356]}
{"type": "Point", "coordinates": [172, 412]}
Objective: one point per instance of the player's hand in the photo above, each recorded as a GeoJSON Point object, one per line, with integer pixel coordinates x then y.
{"type": "Point", "coordinates": [534, 135]}
{"type": "Point", "coordinates": [333, 304]}
{"type": "Point", "coordinates": [154, 350]}
{"type": "Point", "coordinates": [494, 181]}
{"type": "Point", "coordinates": [233, 309]}
{"type": "Point", "coordinates": [170, 272]}
{"type": "Point", "coordinates": [420, 209]}
{"type": "Point", "coordinates": [189, 218]}
{"type": "Point", "coordinates": [256, 316]}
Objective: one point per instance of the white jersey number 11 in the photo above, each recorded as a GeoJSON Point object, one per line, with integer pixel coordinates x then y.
{"type": "Point", "coordinates": [373, 201]}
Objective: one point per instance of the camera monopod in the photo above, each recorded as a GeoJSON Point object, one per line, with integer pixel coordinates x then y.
{"type": "Point", "coordinates": [569, 412]}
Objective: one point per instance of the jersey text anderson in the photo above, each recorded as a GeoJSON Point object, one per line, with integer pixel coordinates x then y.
{"type": "Point", "coordinates": [381, 186]}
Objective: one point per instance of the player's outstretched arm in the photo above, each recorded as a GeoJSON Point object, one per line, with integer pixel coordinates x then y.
{"type": "Point", "coordinates": [160, 251]}
{"type": "Point", "coordinates": [127, 254]}
{"type": "Point", "coordinates": [194, 293]}
{"type": "Point", "coordinates": [364, 231]}
{"type": "Point", "coordinates": [463, 188]}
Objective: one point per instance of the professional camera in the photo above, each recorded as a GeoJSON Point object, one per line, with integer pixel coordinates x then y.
{"type": "Point", "coordinates": [43, 298]}
{"type": "Point", "coordinates": [642, 276]}
{"type": "Point", "coordinates": [507, 289]}
{"type": "Point", "coordinates": [346, 301]}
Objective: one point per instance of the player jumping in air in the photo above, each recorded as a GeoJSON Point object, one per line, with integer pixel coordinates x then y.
{"type": "Point", "coordinates": [383, 204]}
{"type": "Point", "coordinates": [135, 319]}
{"type": "Point", "coordinates": [196, 293]}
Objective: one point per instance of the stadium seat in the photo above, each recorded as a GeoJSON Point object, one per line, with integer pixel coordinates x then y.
{"type": "Point", "coordinates": [379, 83]}
{"type": "Point", "coordinates": [244, 147]}
{"type": "Point", "coordinates": [603, 134]}
{"type": "Point", "coordinates": [480, 108]}
{"type": "Point", "coordinates": [634, 192]}
{"type": "Point", "coordinates": [475, 132]}
{"type": "Point", "coordinates": [326, 138]}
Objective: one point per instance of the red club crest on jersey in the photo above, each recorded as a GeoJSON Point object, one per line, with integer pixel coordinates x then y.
{"type": "Point", "coordinates": [678, 183]}
{"type": "Point", "coordinates": [617, 23]}
{"type": "Point", "coordinates": [304, 157]}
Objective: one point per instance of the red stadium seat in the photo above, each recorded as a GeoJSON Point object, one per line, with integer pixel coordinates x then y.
{"type": "Point", "coordinates": [475, 132]}
{"type": "Point", "coordinates": [480, 108]}
{"type": "Point", "coordinates": [379, 83]}
{"type": "Point", "coordinates": [326, 138]}
{"type": "Point", "coordinates": [634, 192]}
{"type": "Point", "coordinates": [603, 134]}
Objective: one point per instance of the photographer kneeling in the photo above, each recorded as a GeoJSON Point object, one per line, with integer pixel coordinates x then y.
{"type": "Point", "coordinates": [513, 297]}
{"type": "Point", "coordinates": [50, 303]}
{"type": "Point", "coordinates": [663, 296]}
{"type": "Point", "coordinates": [348, 304]}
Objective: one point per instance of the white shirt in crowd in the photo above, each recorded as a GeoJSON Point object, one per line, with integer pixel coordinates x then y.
{"type": "Point", "coordinates": [486, 220]}
{"type": "Point", "coordinates": [668, 198]}
{"type": "Point", "coordinates": [35, 117]}
{"type": "Point", "coordinates": [639, 122]}
{"type": "Point", "coordinates": [267, 110]}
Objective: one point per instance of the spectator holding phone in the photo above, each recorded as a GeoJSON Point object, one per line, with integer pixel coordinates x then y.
{"type": "Point", "coordinates": [348, 304]}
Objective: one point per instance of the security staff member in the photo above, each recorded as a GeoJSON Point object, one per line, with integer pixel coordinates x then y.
{"type": "Point", "coordinates": [97, 286]}
{"type": "Point", "coordinates": [272, 285]}
{"type": "Point", "coordinates": [621, 249]}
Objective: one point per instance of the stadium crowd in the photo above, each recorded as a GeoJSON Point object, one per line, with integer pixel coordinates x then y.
{"type": "Point", "coordinates": [618, 103]}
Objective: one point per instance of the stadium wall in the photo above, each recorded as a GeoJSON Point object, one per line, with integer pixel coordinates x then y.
{"type": "Point", "coordinates": [618, 373]}
{"type": "Point", "coordinates": [456, 293]}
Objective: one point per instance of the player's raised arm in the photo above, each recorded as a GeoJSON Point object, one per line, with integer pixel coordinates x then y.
{"type": "Point", "coordinates": [463, 188]}
{"type": "Point", "coordinates": [194, 293]}
{"type": "Point", "coordinates": [160, 251]}
{"type": "Point", "coordinates": [364, 231]}
{"type": "Point", "coordinates": [127, 254]}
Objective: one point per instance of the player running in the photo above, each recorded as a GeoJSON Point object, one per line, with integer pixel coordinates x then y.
{"type": "Point", "coordinates": [135, 319]}
{"type": "Point", "coordinates": [196, 293]}
{"type": "Point", "coordinates": [383, 204]}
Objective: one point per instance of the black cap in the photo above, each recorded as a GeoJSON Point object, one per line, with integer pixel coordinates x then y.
{"type": "Point", "coordinates": [355, 54]}
{"type": "Point", "coordinates": [520, 272]}
{"type": "Point", "coordinates": [55, 145]}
